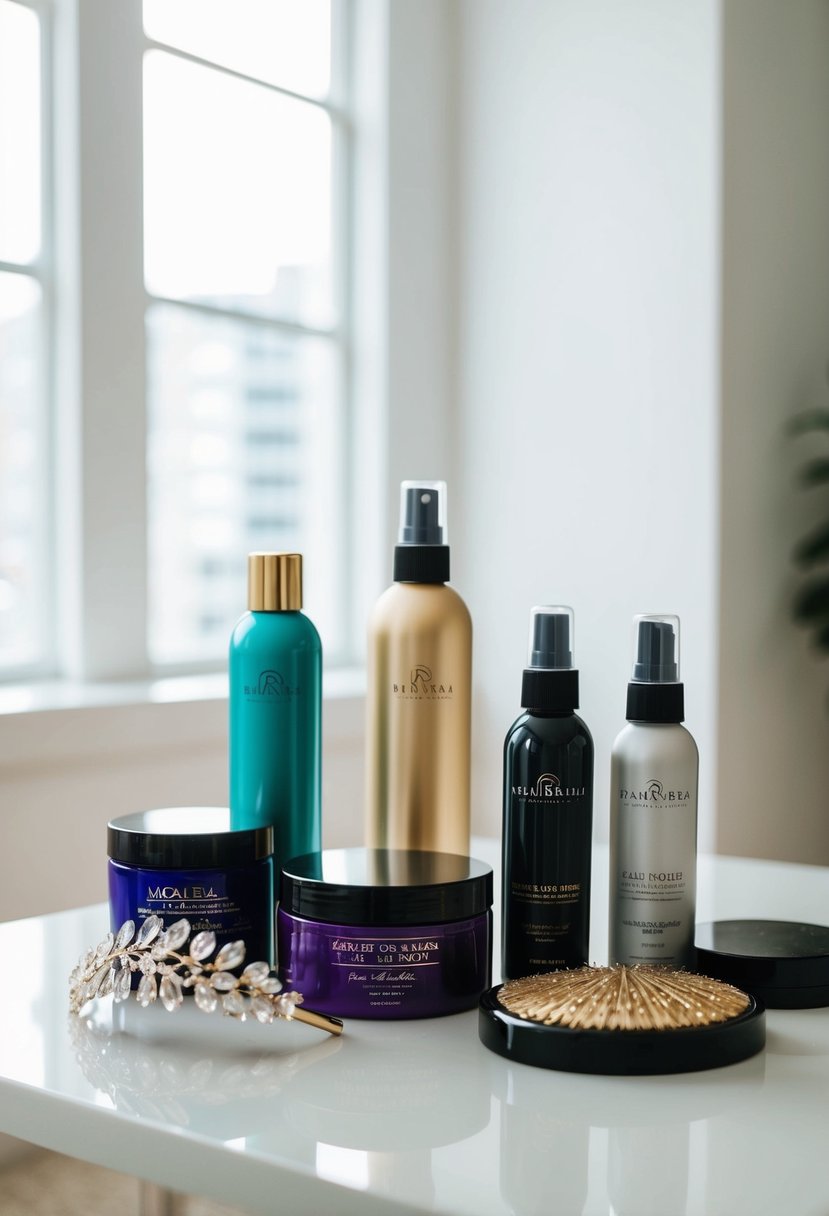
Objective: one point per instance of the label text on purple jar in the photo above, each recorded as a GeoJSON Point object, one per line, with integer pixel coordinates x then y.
{"type": "Point", "coordinates": [390, 972]}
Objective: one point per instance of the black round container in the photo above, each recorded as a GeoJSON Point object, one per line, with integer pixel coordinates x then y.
{"type": "Point", "coordinates": [783, 963]}
{"type": "Point", "coordinates": [619, 1052]}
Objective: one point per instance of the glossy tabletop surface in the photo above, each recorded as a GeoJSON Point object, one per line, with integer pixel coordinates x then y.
{"type": "Point", "coordinates": [416, 1116]}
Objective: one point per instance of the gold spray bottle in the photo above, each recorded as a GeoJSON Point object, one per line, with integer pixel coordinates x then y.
{"type": "Point", "coordinates": [419, 690]}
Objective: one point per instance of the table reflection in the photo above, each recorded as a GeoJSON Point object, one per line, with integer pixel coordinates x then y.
{"type": "Point", "coordinates": [374, 1113]}
{"type": "Point", "coordinates": [563, 1134]}
{"type": "Point", "coordinates": [186, 1069]}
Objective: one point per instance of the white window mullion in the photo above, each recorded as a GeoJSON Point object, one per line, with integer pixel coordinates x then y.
{"type": "Point", "coordinates": [251, 318]}
{"type": "Point", "coordinates": [342, 177]}
{"type": "Point", "coordinates": [47, 268]}
{"type": "Point", "coordinates": [368, 311]}
{"type": "Point", "coordinates": [112, 376]}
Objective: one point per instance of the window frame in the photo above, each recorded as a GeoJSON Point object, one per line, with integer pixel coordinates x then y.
{"type": "Point", "coordinates": [336, 106]}
{"type": "Point", "coordinates": [401, 321]}
{"type": "Point", "coordinates": [99, 420]}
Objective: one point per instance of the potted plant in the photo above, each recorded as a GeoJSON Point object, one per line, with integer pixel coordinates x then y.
{"type": "Point", "coordinates": [811, 604]}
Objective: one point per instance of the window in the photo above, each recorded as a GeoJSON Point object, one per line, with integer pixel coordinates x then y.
{"type": "Point", "coordinates": [24, 497]}
{"type": "Point", "coordinates": [245, 357]}
{"type": "Point", "coordinates": [213, 154]}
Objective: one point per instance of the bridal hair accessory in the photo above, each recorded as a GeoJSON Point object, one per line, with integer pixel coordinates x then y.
{"type": "Point", "coordinates": [168, 966]}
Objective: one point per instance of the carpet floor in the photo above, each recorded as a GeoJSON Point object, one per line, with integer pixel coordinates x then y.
{"type": "Point", "coordinates": [47, 1184]}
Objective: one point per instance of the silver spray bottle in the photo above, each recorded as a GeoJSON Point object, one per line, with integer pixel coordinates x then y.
{"type": "Point", "coordinates": [653, 809]}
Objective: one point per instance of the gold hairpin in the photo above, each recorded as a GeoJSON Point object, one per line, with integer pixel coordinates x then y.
{"type": "Point", "coordinates": [166, 972]}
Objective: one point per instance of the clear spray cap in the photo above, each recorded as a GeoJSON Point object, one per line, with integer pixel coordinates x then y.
{"type": "Point", "coordinates": [551, 637]}
{"type": "Point", "coordinates": [422, 513]}
{"type": "Point", "coordinates": [656, 649]}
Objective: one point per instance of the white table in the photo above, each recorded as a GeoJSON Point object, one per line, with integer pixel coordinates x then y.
{"type": "Point", "coordinates": [413, 1117]}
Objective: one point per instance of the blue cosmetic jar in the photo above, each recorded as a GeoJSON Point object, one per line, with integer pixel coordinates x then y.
{"type": "Point", "coordinates": [187, 862]}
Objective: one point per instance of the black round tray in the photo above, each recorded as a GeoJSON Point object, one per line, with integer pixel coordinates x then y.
{"type": "Point", "coordinates": [620, 1052]}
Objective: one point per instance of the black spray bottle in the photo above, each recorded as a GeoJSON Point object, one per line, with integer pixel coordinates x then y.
{"type": "Point", "coordinates": [548, 810]}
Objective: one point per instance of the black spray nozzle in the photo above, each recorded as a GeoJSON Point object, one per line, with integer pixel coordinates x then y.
{"type": "Point", "coordinates": [422, 513]}
{"type": "Point", "coordinates": [551, 638]}
{"type": "Point", "coordinates": [656, 650]}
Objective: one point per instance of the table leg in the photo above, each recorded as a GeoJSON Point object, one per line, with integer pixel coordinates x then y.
{"type": "Point", "coordinates": [158, 1201]}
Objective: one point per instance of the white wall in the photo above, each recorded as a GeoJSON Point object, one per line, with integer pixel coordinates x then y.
{"type": "Point", "coordinates": [65, 772]}
{"type": "Point", "coordinates": [404, 278]}
{"type": "Point", "coordinates": [587, 373]}
{"type": "Point", "coordinates": [774, 716]}
{"type": "Point", "coordinates": [421, 270]}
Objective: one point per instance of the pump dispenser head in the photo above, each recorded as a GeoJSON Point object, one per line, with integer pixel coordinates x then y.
{"type": "Point", "coordinates": [656, 649]}
{"type": "Point", "coordinates": [551, 684]}
{"type": "Point", "coordinates": [654, 692]}
{"type": "Point", "coordinates": [551, 638]}
{"type": "Point", "coordinates": [422, 513]}
{"type": "Point", "coordinates": [422, 554]}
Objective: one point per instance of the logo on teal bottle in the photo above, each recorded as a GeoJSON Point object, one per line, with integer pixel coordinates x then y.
{"type": "Point", "coordinates": [270, 685]}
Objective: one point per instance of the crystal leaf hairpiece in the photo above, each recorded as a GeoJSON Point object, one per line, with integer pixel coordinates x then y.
{"type": "Point", "coordinates": [166, 971]}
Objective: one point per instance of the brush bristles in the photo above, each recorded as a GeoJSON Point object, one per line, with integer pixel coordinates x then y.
{"type": "Point", "coordinates": [623, 998]}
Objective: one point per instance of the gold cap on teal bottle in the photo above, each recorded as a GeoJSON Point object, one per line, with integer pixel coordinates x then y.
{"type": "Point", "coordinates": [274, 582]}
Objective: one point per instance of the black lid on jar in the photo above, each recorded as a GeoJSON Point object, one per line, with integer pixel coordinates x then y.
{"type": "Point", "coordinates": [385, 887]}
{"type": "Point", "coordinates": [185, 837]}
{"type": "Point", "coordinates": [783, 963]}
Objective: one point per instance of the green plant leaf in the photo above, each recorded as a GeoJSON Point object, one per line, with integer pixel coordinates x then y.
{"type": "Point", "coordinates": [812, 602]}
{"type": "Point", "coordinates": [813, 547]}
{"type": "Point", "coordinates": [809, 420]}
{"type": "Point", "coordinates": [815, 472]}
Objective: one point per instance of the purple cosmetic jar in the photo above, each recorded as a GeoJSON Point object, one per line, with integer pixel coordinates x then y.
{"type": "Point", "coordinates": [378, 933]}
{"type": "Point", "coordinates": [185, 861]}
